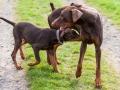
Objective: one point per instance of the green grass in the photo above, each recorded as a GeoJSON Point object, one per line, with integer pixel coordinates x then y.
{"type": "Point", "coordinates": [109, 8]}
{"type": "Point", "coordinates": [42, 76]}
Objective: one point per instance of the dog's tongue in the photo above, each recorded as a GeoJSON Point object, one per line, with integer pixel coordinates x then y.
{"type": "Point", "coordinates": [62, 28]}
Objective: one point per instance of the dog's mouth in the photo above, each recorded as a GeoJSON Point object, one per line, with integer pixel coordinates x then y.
{"type": "Point", "coordinates": [63, 27]}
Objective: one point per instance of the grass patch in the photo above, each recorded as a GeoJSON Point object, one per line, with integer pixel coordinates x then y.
{"type": "Point", "coordinates": [42, 76]}
{"type": "Point", "coordinates": [109, 8]}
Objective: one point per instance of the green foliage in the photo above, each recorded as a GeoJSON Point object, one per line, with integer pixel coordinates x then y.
{"type": "Point", "coordinates": [42, 76]}
{"type": "Point", "coordinates": [110, 8]}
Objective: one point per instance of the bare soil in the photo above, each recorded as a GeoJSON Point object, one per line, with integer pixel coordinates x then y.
{"type": "Point", "coordinates": [10, 78]}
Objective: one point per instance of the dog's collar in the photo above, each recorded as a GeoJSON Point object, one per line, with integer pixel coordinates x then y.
{"type": "Point", "coordinates": [58, 36]}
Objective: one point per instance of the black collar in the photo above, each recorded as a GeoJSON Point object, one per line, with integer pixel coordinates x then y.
{"type": "Point", "coordinates": [58, 36]}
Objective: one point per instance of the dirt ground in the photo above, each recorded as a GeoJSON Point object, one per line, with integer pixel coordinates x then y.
{"type": "Point", "coordinates": [12, 79]}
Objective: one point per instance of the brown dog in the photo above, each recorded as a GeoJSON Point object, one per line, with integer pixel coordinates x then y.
{"type": "Point", "coordinates": [39, 39]}
{"type": "Point", "coordinates": [55, 14]}
{"type": "Point", "coordinates": [92, 32]}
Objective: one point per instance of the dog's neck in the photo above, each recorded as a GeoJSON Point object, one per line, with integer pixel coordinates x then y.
{"type": "Point", "coordinates": [58, 32]}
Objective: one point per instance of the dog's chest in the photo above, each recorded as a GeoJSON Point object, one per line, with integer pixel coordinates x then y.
{"type": "Point", "coordinates": [87, 34]}
{"type": "Point", "coordinates": [87, 39]}
{"type": "Point", "coordinates": [53, 42]}
{"type": "Point", "coordinates": [48, 44]}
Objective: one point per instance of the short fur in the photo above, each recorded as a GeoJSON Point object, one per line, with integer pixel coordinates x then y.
{"type": "Point", "coordinates": [55, 14]}
{"type": "Point", "coordinates": [39, 39]}
{"type": "Point", "coordinates": [92, 32]}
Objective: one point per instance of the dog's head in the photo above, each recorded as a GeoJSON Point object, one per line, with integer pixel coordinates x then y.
{"type": "Point", "coordinates": [67, 18]}
{"type": "Point", "coordinates": [70, 35]}
{"type": "Point", "coordinates": [54, 14]}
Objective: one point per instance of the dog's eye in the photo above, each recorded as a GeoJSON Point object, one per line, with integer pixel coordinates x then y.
{"type": "Point", "coordinates": [61, 15]}
{"type": "Point", "coordinates": [64, 19]}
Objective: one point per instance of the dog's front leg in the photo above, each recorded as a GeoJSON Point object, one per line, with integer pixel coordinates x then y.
{"type": "Point", "coordinates": [48, 58]}
{"type": "Point", "coordinates": [82, 52]}
{"type": "Point", "coordinates": [36, 53]}
{"type": "Point", "coordinates": [53, 61]}
{"type": "Point", "coordinates": [55, 48]}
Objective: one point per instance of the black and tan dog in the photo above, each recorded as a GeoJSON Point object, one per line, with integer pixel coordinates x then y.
{"type": "Point", "coordinates": [39, 39]}
{"type": "Point", "coordinates": [91, 32]}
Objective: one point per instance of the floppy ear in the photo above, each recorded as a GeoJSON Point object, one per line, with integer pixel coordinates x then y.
{"type": "Point", "coordinates": [76, 14]}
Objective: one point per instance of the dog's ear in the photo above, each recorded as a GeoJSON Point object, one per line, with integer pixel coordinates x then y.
{"type": "Point", "coordinates": [71, 4]}
{"type": "Point", "coordinates": [76, 14]}
{"type": "Point", "coordinates": [76, 5]}
{"type": "Point", "coordinates": [52, 6]}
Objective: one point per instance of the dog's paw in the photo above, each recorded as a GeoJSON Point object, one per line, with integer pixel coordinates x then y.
{"type": "Point", "coordinates": [33, 63]}
{"type": "Point", "coordinates": [23, 57]}
{"type": "Point", "coordinates": [58, 62]}
{"type": "Point", "coordinates": [98, 83]}
{"type": "Point", "coordinates": [78, 74]}
{"type": "Point", "coordinates": [19, 67]}
{"type": "Point", "coordinates": [49, 62]}
{"type": "Point", "coordinates": [59, 72]}
{"type": "Point", "coordinates": [30, 64]}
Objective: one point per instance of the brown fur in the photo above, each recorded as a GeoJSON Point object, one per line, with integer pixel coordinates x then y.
{"type": "Point", "coordinates": [91, 33]}
{"type": "Point", "coordinates": [55, 14]}
{"type": "Point", "coordinates": [39, 39]}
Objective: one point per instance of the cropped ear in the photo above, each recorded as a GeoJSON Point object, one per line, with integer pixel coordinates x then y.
{"type": "Point", "coordinates": [76, 14]}
{"type": "Point", "coordinates": [71, 4]}
{"type": "Point", "coordinates": [76, 5]}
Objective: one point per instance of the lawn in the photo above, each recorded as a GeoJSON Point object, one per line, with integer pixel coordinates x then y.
{"type": "Point", "coordinates": [42, 76]}
{"type": "Point", "coordinates": [109, 8]}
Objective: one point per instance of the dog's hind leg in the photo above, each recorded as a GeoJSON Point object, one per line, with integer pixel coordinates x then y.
{"type": "Point", "coordinates": [16, 47]}
{"type": "Point", "coordinates": [21, 51]}
{"type": "Point", "coordinates": [55, 48]}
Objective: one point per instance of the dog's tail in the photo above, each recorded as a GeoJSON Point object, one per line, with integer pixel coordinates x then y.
{"type": "Point", "coordinates": [10, 22]}
{"type": "Point", "coordinates": [52, 6]}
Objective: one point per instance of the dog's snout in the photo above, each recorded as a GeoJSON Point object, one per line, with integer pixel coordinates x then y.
{"type": "Point", "coordinates": [55, 23]}
{"type": "Point", "coordinates": [52, 24]}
